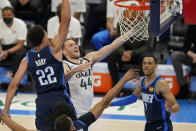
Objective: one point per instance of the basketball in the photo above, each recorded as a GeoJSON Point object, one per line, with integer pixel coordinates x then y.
{"type": "Point", "coordinates": [131, 15]}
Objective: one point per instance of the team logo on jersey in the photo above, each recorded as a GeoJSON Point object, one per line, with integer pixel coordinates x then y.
{"type": "Point", "coordinates": [78, 75]}
{"type": "Point", "coordinates": [148, 98]}
{"type": "Point", "coordinates": [151, 89]}
{"type": "Point", "coordinates": [83, 74]}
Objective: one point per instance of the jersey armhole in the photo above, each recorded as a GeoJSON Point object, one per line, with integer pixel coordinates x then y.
{"type": "Point", "coordinates": [86, 59]}
{"type": "Point", "coordinates": [67, 64]}
{"type": "Point", "coordinates": [142, 82]}
{"type": "Point", "coordinates": [50, 50]}
{"type": "Point", "coordinates": [155, 87]}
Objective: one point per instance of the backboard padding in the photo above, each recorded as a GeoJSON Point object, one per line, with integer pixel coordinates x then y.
{"type": "Point", "coordinates": [162, 15]}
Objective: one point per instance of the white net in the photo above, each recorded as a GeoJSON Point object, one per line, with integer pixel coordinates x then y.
{"type": "Point", "coordinates": [134, 19]}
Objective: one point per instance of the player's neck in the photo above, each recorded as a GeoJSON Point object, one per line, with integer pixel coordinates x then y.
{"type": "Point", "coordinates": [38, 48]}
{"type": "Point", "coordinates": [74, 60]}
{"type": "Point", "coordinates": [150, 77]}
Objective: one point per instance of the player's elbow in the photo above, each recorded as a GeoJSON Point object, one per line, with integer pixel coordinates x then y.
{"type": "Point", "coordinates": [104, 103]}
{"type": "Point", "coordinates": [176, 108]}
{"type": "Point", "coordinates": [12, 86]}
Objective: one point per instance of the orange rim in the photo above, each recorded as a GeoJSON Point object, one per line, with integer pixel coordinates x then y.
{"type": "Point", "coordinates": [142, 5]}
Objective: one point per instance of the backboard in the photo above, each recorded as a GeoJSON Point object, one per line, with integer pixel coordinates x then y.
{"type": "Point", "coordinates": [163, 13]}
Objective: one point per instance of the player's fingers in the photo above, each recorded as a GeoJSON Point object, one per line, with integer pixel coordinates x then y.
{"type": "Point", "coordinates": [88, 64]}
{"type": "Point", "coordinates": [138, 76]}
{"type": "Point", "coordinates": [135, 70]}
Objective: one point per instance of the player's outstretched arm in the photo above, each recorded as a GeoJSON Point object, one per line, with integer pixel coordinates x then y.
{"type": "Point", "coordinates": [69, 73]}
{"type": "Point", "coordinates": [14, 85]}
{"type": "Point", "coordinates": [108, 49]}
{"type": "Point", "coordinates": [60, 38]}
{"type": "Point", "coordinates": [12, 124]}
{"type": "Point", "coordinates": [171, 104]}
{"type": "Point", "coordinates": [128, 99]}
{"type": "Point", "coordinates": [99, 107]}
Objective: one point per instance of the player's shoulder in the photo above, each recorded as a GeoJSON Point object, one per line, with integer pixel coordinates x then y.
{"type": "Point", "coordinates": [162, 83]}
{"type": "Point", "coordinates": [66, 66]}
{"type": "Point", "coordinates": [24, 60]}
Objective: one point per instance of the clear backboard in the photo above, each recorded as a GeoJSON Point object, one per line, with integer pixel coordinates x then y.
{"type": "Point", "coordinates": [163, 13]}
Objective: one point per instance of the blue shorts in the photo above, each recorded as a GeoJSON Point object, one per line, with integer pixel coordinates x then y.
{"type": "Point", "coordinates": [45, 103]}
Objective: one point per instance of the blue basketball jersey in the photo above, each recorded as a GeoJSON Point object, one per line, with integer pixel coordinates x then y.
{"type": "Point", "coordinates": [46, 70]}
{"type": "Point", "coordinates": [154, 105]}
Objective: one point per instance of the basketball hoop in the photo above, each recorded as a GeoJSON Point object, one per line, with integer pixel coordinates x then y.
{"type": "Point", "coordinates": [134, 14]}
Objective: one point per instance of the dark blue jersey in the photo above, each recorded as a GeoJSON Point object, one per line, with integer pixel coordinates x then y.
{"type": "Point", "coordinates": [154, 105]}
{"type": "Point", "coordinates": [46, 70]}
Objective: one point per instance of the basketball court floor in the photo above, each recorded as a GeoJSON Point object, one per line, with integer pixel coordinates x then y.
{"type": "Point", "coordinates": [129, 118]}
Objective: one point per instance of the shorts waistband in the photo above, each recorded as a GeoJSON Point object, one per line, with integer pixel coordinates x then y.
{"type": "Point", "coordinates": [158, 121]}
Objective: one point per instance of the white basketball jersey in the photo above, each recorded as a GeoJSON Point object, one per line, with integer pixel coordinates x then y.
{"type": "Point", "coordinates": [81, 88]}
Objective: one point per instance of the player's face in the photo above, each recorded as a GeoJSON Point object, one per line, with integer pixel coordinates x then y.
{"type": "Point", "coordinates": [71, 49]}
{"type": "Point", "coordinates": [148, 65]}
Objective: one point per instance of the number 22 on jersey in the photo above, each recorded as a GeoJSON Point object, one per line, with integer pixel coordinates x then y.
{"type": "Point", "coordinates": [46, 76]}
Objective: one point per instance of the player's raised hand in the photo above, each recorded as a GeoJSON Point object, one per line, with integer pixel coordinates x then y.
{"type": "Point", "coordinates": [83, 66]}
{"type": "Point", "coordinates": [131, 74]}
